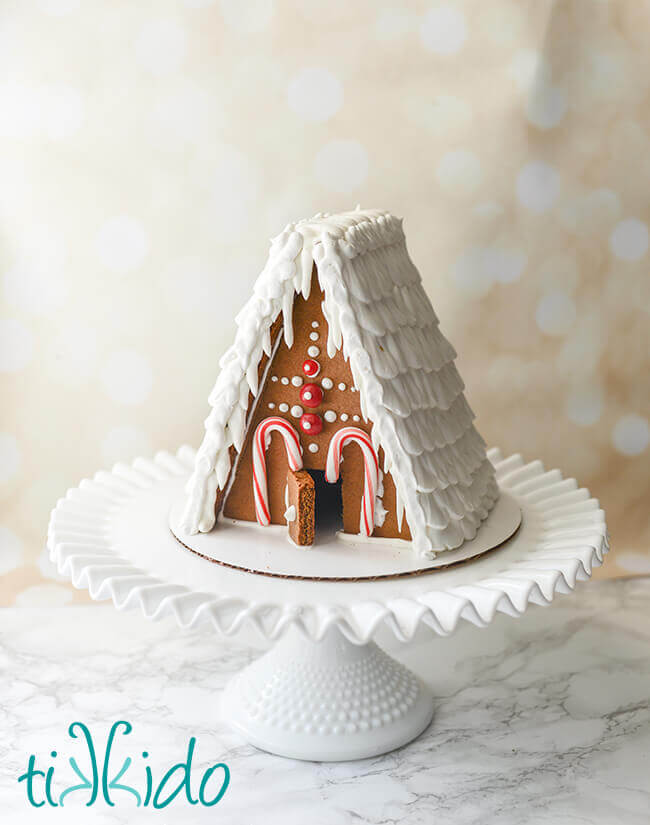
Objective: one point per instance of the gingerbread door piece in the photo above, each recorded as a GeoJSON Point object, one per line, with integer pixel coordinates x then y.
{"type": "Point", "coordinates": [300, 513]}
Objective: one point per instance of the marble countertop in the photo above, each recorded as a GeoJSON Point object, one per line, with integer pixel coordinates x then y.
{"type": "Point", "coordinates": [544, 719]}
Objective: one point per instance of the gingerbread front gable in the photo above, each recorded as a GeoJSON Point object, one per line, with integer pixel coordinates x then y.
{"type": "Point", "coordinates": [378, 337]}
{"type": "Point", "coordinates": [336, 406]}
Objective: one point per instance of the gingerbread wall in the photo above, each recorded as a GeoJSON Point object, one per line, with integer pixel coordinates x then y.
{"type": "Point", "coordinates": [280, 396]}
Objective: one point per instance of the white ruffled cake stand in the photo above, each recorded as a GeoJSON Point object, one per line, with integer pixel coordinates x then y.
{"type": "Point", "coordinates": [325, 690]}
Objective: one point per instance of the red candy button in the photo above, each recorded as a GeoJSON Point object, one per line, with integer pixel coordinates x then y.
{"type": "Point", "coordinates": [311, 423]}
{"type": "Point", "coordinates": [311, 395]}
{"type": "Point", "coordinates": [311, 368]}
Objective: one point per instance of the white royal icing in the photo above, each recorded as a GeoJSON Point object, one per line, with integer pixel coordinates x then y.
{"type": "Point", "coordinates": [381, 319]}
{"type": "Point", "coordinates": [327, 383]}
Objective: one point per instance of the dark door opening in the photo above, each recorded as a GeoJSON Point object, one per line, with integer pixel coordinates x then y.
{"type": "Point", "coordinates": [329, 505]}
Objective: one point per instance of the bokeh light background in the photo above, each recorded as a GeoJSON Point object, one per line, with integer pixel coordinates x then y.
{"type": "Point", "coordinates": [148, 150]}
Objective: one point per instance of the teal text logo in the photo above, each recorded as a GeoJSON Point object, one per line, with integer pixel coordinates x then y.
{"type": "Point", "coordinates": [102, 781]}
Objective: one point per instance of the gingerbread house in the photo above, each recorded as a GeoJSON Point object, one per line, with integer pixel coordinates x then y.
{"type": "Point", "coordinates": [340, 396]}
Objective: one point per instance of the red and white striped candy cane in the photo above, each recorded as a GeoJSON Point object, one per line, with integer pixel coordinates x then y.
{"type": "Point", "coordinates": [261, 441]}
{"type": "Point", "coordinates": [371, 471]}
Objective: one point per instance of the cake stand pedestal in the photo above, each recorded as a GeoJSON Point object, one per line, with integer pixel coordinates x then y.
{"type": "Point", "coordinates": [325, 691]}
{"type": "Point", "coordinates": [328, 700]}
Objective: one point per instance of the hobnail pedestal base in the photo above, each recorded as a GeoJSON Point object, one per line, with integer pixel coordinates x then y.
{"type": "Point", "coordinates": [327, 701]}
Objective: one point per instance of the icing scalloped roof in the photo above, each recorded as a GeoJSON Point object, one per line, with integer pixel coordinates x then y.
{"type": "Point", "coordinates": [380, 316]}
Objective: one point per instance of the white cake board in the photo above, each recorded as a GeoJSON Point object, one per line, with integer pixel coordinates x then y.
{"type": "Point", "coordinates": [325, 690]}
{"type": "Point", "coordinates": [333, 557]}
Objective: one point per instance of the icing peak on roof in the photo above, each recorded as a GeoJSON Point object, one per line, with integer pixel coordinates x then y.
{"type": "Point", "coordinates": [380, 317]}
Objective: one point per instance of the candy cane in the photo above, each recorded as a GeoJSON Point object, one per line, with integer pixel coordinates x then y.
{"type": "Point", "coordinates": [261, 441]}
{"type": "Point", "coordinates": [339, 440]}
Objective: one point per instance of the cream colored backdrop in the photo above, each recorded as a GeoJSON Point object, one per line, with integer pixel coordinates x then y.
{"type": "Point", "coordinates": [148, 150]}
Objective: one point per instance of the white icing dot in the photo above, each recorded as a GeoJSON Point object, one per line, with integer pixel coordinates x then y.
{"type": "Point", "coordinates": [355, 418]}
{"type": "Point", "coordinates": [327, 383]}
{"type": "Point", "coordinates": [459, 172]}
{"type": "Point", "coordinates": [631, 435]}
{"type": "Point", "coordinates": [252, 16]}
{"type": "Point", "coordinates": [443, 30]}
{"type": "Point", "coordinates": [306, 425]}
{"type": "Point", "coordinates": [160, 47]}
{"type": "Point", "coordinates": [296, 411]}
{"type": "Point", "coordinates": [629, 239]}
{"type": "Point", "coordinates": [313, 336]}
{"type": "Point", "coordinates": [124, 444]}
{"type": "Point", "coordinates": [330, 416]}
{"type": "Point", "coordinates": [538, 186]}
{"type": "Point", "coordinates": [127, 377]}
{"type": "Point", "coordinates": [341, 165]}
{"type": "Point", "coordinates": [313, 352]}
{"type": "Point", "coordinates": [314, 324]}
{"type": "Point", "coordinates": [16, 345]}
{"type": "Point", "coordinates": [315, 94]}
{"type": "Point", "coordinates": [11, 551]}
{"type": "Point", "coordinates": [344, 416]}
{"type": "Point", "coordinates": [271, 406]}
{"type": "Point", "coordinates": [121, 243]}
{"type": "Point", "coordinates": [313, 448]}
{"type": "Point", "coordinates": [274, 378]}
{"type": "Point", "coordinates": [284, 380]}
{"type": "Point", "coordinates": [342, 386]}
{"type": "Point", "coordinates": [283, 407]}
{"type": "Point", "coordinates": [307, 395]}
{"type": "Point", "coordinates": [10, 459]}
{"type": "Point", "coordinates": [296, 381]}
{"type": "Point", "coordinates": [555, 313]}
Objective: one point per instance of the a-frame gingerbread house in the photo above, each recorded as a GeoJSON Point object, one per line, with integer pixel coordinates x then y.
{"type": "Point", "coordinates": [339, 369]}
